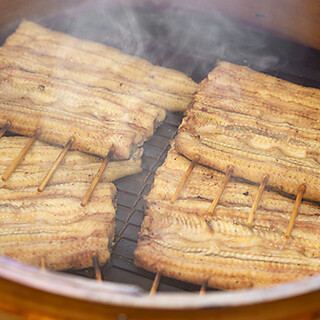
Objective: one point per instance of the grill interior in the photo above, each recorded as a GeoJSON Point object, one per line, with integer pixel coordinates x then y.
{"type": "Point", "coordinates": [190, 42]}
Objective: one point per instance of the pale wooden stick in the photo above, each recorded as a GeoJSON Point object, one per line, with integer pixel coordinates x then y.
{"type": "Point", "coordinates": [55, 165]}
{"type": "Point", "coordinates": [294, 213]}
{"type": "Point", "coordinates": [43, 264]}
{"type": "Point", "coordinates": [257, 200]}
{"type": "Point", "coordinates": [185, 178]}
{"type": "Point", "coordinates": [5, 128]}
{"type": "Point", "coordinates": [155, 283]}
{"type": "Point", "coordinates": [96, 267]}
{"type": "Point", "coordinates": [97, 177]}
{"type": "Point", "coordinates": [203, 287]}
{"type": "Point", "coordinates": [222, 187]}
{"type": "Point", "coordinates": [22, 153]}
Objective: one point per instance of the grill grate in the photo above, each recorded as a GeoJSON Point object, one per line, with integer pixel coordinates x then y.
{"type": "Point", "coordinates": [131, 214]}
{"type": "Point", "coordinates": [190, 42]}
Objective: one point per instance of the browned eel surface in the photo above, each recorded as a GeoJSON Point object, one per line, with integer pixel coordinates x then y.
{"type": "Point", "coordinates": [68, 87]}
{"type": "Point", "coordinates": [52, 225]}
{"type": "Point", "coordinates": [76, 167]}
{"type": "Point", "coordinates": [182, 241]}
{"type": "Point", "coordinates": [257, 123]}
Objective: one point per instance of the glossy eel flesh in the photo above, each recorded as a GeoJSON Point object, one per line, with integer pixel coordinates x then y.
{"type": "Point", "coordinates": [67, 87]}
{"type": "Point", "coordinates": [259, 125]}
{"type": "Point", "coordinates": [183, 241]}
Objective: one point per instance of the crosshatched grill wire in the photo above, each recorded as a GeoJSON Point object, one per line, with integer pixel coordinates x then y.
{"type": "Point", "coordinates": [190, 42]}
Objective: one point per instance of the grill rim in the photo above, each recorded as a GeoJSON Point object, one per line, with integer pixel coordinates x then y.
{"type": "Point", "coordinates": [111, 293]}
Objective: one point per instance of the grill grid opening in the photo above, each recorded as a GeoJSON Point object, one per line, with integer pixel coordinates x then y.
{"type": "Point", "coordinates": [157, 36]}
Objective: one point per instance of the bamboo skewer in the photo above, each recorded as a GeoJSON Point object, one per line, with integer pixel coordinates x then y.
{"type": "Point", "coordinates": [294, 213]}
{"type": "Point", "coordinates": [203, 287]}
{"type": "Point", "coordinates": [43, 264]}
{"type": "Point", "coordinates": [155, 284]}
{"type": "Point", "coordinates": [97, 177]}
{"type": "Point", "coordinates": [257, 199]}
{"type": "Point", "coordinates": [222, 187]}
{"type": "Point", "coordinates": [55, 165]}
{"type": "Point", "coordinates": [96, 267]}
{"type": "Point", "coordinates": [5, 128]}
{"type": "Point", "coordinates": [185, 178]}
{"type": "Point", "coordinates": [22, 153]}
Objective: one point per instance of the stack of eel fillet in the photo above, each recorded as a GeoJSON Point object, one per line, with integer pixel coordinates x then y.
{"type": "Point", "coordinates": [61, 87]}
{"type": "Point", "coordinates": [261, 126]}
{"type": "Point", "coordinates": [52, 225]}
{"type": "Point", "coordinates": [257, 123]}
{"type": "Point", "coordinates": [183, 241]}
{"type": "Point", "coordinates": [67, 87]}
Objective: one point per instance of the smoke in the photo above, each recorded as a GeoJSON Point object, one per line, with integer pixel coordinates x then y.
{"type": "Point", "coordinates": [186, 40]}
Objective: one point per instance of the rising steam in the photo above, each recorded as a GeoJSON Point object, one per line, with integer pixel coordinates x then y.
{"type": "Point", "coordinates": [178, 38]}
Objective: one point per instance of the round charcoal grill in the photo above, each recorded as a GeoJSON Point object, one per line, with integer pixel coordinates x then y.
{"type": "Point", "coordinates": [191, 40]}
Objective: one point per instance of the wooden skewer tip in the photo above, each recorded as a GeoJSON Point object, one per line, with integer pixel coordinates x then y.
{"type": "Point", "coordinates": [20, 156]}
{"type": "Point", "coordinates": [96, 267]}
{"type": "Point", "coordinates": [55, 165]}
{"type": "Point", "coordinates": [43, 264]}
{"type": "Point", "coordinates": [155, 283]}
{"type": "Point", "coordinates": [265, 179]}
{"type": "Point", "coordinates": [301, 191]}
{"type": "Point", "coordinates": [7, 124]}
{"type": "Point", "coordinates": [97, 177]}
{"type": "Point", "coordinates": [5, 127]}
{"type": "Point", "coordinates": [203, 287]}
{"type": "Point", "coordinates": [223, 185]}
{"type": "Point", "coordinates": [230, 169]}
{"type": "Point", "coordinates": [184, 179]}
{"type": "Point", "coordinates": [257, 200]}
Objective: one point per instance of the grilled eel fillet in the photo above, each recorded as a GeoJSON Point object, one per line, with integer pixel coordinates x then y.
{"type": "Point", "coordinates": [68, 87]}
{"type": "Point", "coordinates": [76, 167]}
{"type": "Point", "coordinates": [52, 225]}
{"type": "Point", "coordinates": [258, 124]}
{"type": "Point", "coordinates": [182, 241]}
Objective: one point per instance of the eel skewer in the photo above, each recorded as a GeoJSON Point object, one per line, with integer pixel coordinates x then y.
{"type": "Point", "coordinates": [185, 178]}
{"type": "Point", "coordinates": [155, 283]}
{"type": "Point", "coordinates": [54, 167]}
{"type": "Point", "coordinates": [294, 213]}
{"type": "Point", "coordinates": [97, 177]}
{"type": "Point", "coordinates": [257, 199]}
{"type": "Point", "coordinates": [5, 128]}
{"type": "Point", "coordinates": [203, 287]}
{"type": "Point", "coordinates": [222, 187]}
{"type": "Point", "coordinates": [22, 153]}
{"type": "Point", "coordinates": [43, 264]}
{"type": "Point", "coordinates": [96, 267]}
